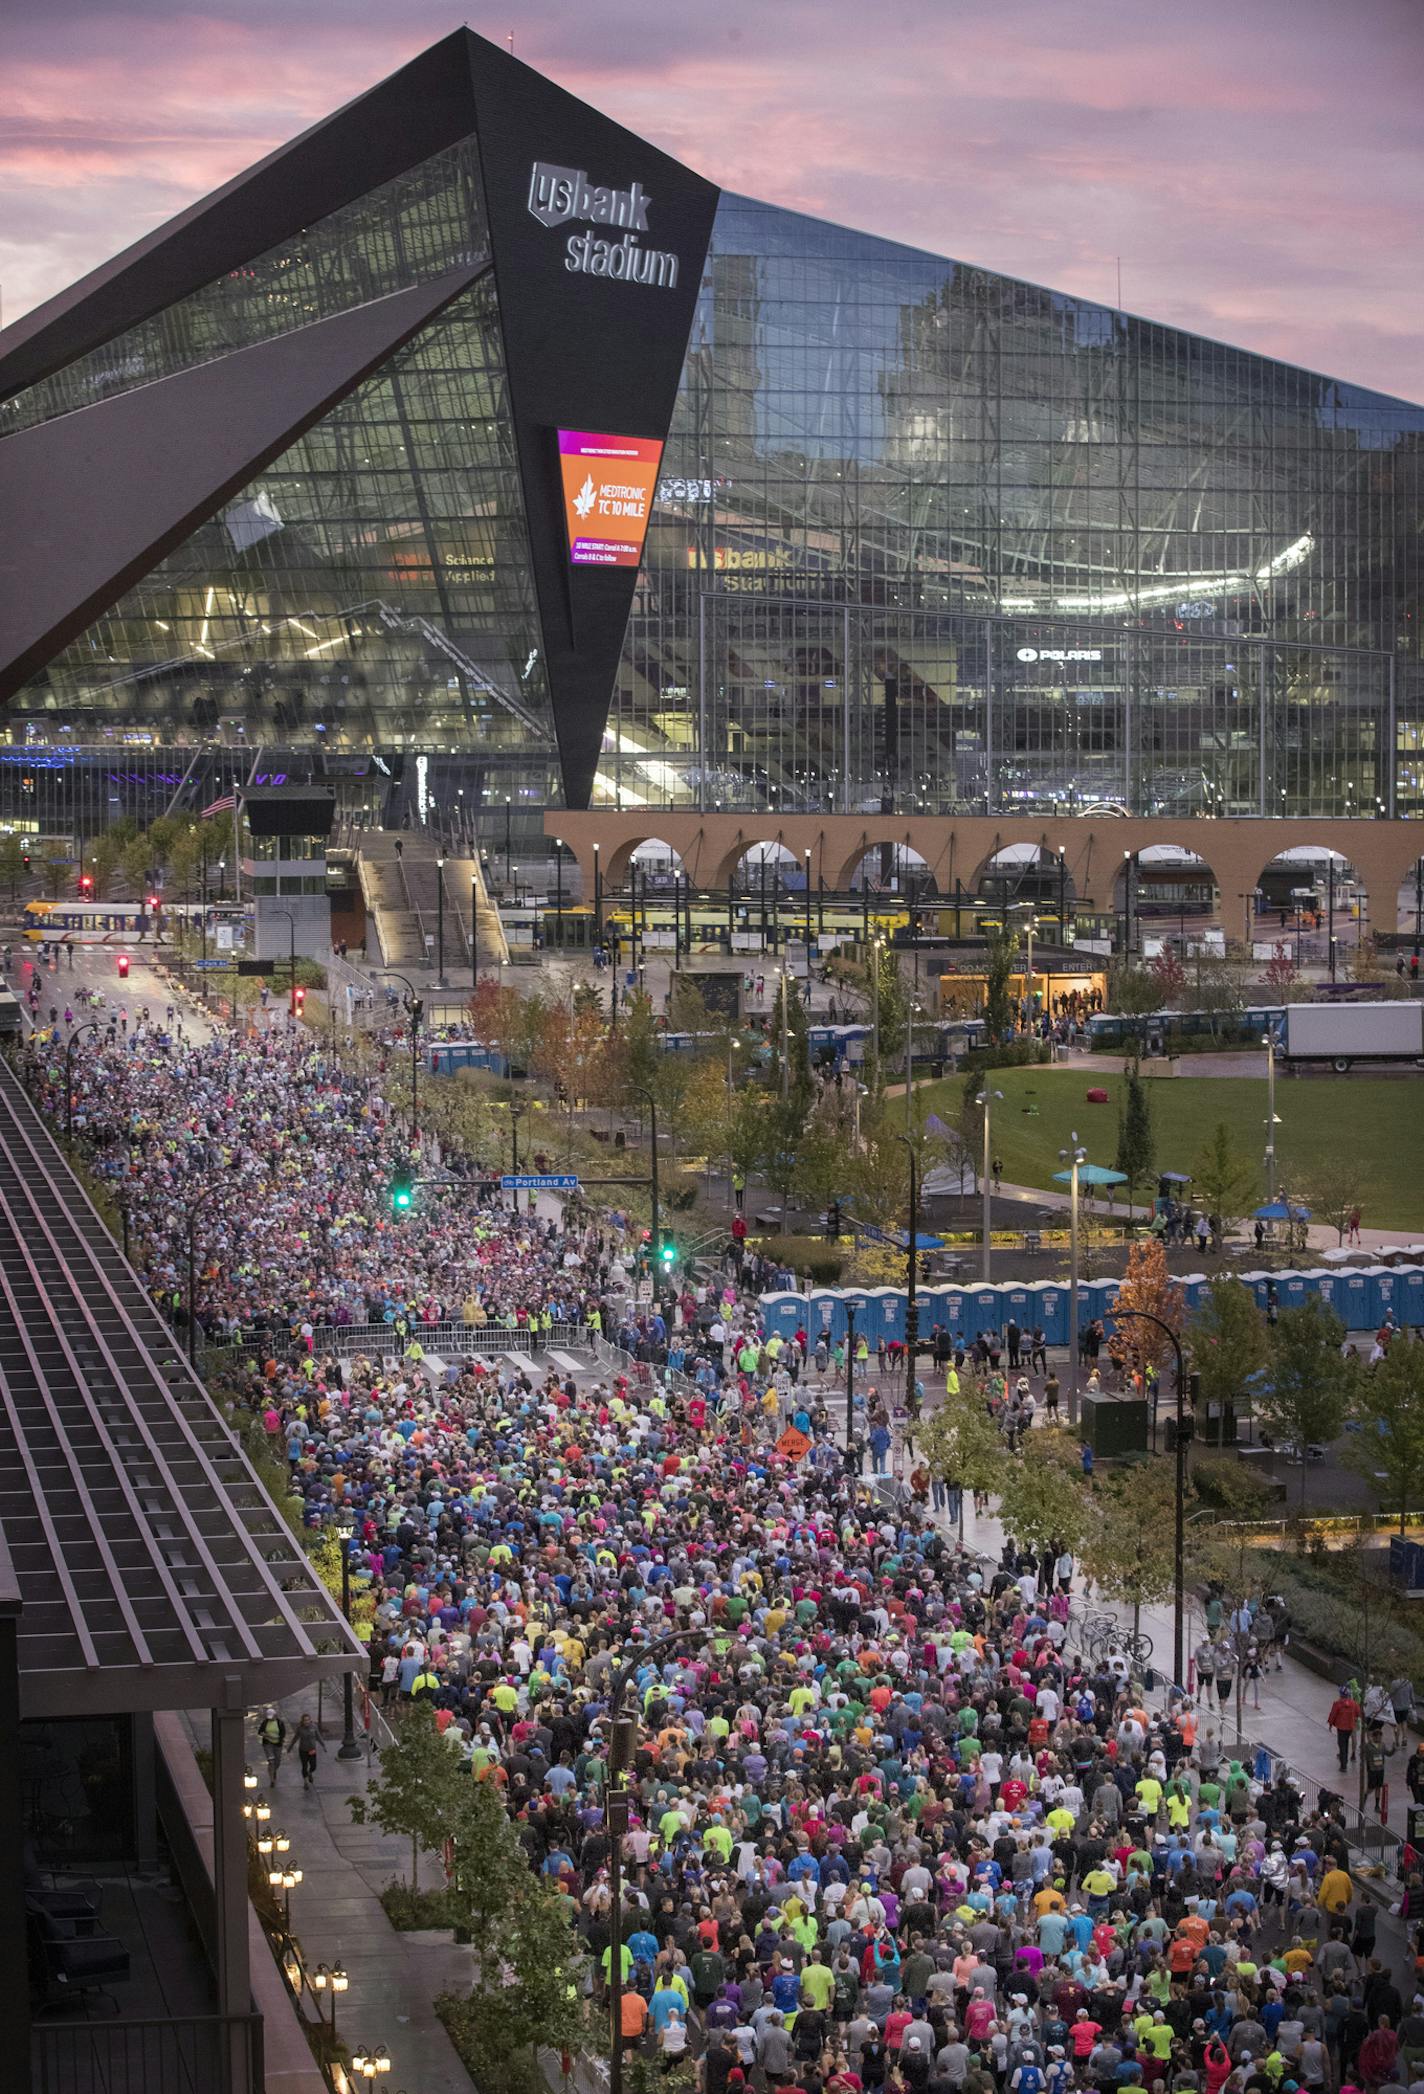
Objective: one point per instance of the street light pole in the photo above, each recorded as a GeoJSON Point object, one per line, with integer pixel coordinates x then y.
{"type": "Point", "coordinates": [1074, 1158]}
{"type": "Point", "coordinates": [416, 1010]}
{"type": "Point", "coordinates": [475, 929]}
{"type": "Point", "coordinates": [1179, 1581]}
{"type": "Point", "coordinates": [1269, 1044]}
{"type": "Point", "coordinates": [850, 1309]}
{"type": "Point", "coordinates": [912, 1306]}
{"type": "Point", "coordinates": [643, 1092]}
{"type": "Point", "coordinates": [90, 1025]}
{"type": "Point", "coordinates": [559, 891]}
{"type": "Point", "coordinates": [348, 1748]}
{"type": "Point", "coordinates": [440, 922]}
{"type": "Point", "coordinates": [986, 1182]}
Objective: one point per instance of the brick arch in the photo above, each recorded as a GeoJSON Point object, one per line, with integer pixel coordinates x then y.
{"type": "Point", "coordinates": [615, 872]}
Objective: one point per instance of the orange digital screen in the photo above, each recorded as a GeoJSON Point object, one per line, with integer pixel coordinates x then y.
{"type": "Point", "coordinates": [609, 483]}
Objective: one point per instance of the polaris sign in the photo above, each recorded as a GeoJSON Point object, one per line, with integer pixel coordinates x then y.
{"type": "Point", "coordinates": [557, 194]}
{"type": "Point", "coordinates": [1060, 654]}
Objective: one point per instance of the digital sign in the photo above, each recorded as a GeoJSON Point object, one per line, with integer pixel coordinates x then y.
{"type": "Point", "coordinates": [609, 485]}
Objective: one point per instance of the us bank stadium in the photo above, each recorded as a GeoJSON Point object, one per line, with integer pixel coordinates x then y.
{"type": "Point", "coordinates": [474, 459]}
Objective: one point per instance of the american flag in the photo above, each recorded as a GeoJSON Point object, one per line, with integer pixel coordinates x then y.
{"type": "Point", "coordinates": [222, 806]}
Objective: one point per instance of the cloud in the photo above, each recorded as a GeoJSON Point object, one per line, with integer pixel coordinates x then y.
{"type": "Point", "coordinates": [1255, 168]}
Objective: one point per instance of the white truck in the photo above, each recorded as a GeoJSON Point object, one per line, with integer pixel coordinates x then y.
{"type": "Point", "coordinates": [1345, 1033]}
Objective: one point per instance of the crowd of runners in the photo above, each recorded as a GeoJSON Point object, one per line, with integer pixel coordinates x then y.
{"type": "Point", "coordinates": [892, 1828]}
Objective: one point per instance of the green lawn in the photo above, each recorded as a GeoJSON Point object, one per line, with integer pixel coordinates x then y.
{"type": "Point", "coordinates": [1378, 1123]}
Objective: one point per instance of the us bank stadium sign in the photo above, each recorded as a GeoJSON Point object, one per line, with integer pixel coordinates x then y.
{"type": "Point", "coordinates": [558, 195]}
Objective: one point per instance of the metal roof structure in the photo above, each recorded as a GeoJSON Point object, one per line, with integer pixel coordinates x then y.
{"type": "Point", "coordinates": [154, 1570]}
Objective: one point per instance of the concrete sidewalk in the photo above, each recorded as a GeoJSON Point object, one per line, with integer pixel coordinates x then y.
{"type": "Point", "coordinates": [338, 1918]}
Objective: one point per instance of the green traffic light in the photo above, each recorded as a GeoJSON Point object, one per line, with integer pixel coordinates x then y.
{"type": "Point", "coordinates": [402, 1195]}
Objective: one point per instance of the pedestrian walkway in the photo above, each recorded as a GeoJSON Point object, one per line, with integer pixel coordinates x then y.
{"type": "Point", "coordinates": [338, 1918]}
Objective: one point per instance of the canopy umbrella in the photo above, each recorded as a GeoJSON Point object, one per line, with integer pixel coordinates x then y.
{"type": "Point", "coordinates": [1277, 1210]}
{"type": "Point", "coordinates": [922, 1241]}
{"type": "Point", "coordinates": [1175, 1177]}
{"type": "Point", "coordinates": [1091, 1174]}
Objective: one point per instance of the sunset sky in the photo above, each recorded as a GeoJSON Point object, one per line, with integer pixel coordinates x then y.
{"type": "Point", "coordinates": [1257, 164]}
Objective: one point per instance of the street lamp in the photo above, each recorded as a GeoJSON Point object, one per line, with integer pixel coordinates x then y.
{"type": "Point", "coordinates": [372, 2064]}
{"type": "Point", "coordinates": [416, 1010]}
{"type": "Point", "coordinates": [912, 1306]}
{"type": "Point", "coordinates": [90, 1025]}
{"type": "Point", "coordinates": [986, 1179]}
{"type": "Point", "coordinates": [286, 1881]}
{"type": "Point", "coordinates": [1075, 1158]}
{"type": "Point", "coordinates": [642, 1091]}
{"type": "Point", "coordinates": [559, 891]}
{"type": "Point", "coordinates": [808, 926]}
{"type": "Point", "coordinates": [597, 895]}
{"type": "Point", "coordinates": [346, 1534]}
{"type": "Point", "coordinates": [1272, 1122]}
{"type": "Point", "coordinates": [475, 929]}
{"type": "Point", "coordinates": [850, 1309]}
{"type": "Point", "coordinates": [330, 1979]}
{"type": "Point", "coordinates": [440, 922]}
{"type": "Point", "coordinates": [1179, 1539]}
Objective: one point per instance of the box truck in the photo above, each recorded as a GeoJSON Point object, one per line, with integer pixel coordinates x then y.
{"type": "Point", "coordinates": [1342, 1034]}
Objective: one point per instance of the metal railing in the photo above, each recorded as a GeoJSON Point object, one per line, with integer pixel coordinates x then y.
{"type": "Point", "coordinates": [148, 2057]}
{"type": "Point", "coordinates": [346, 1340]}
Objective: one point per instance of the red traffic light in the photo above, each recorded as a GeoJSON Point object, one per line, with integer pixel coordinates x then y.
{"type": "Point", "coordinates": [86, 883]}
{"type": "Point", "coordinates": [153, 901]}
{"type": "Point", "coordinates": [123, 966]}
{"type": "Point", "coordinates": [301, 997]}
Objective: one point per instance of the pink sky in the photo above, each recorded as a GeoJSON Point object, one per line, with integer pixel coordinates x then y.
{"type": "Point", "coordinates": [1257, 164]}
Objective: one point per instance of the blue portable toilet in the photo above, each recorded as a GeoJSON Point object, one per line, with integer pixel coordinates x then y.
{"type": "Point", "coordinates": [1017, 1303]}
{"type": "Point", "coordinates": [1326, 1287]}
{"type": "Point", "coordinates": [824, 1316]}
{"type": "Point", "coordinates": [955, 1318]}
{"type": "Point", "coordinates": [1411, 1295]}
{"type": "Point", "coordinates": [1291, 1289]}
{"type": "Point", "coordinates": [1356, 1305]}
{"type": "Point", "coordinates": [1258, 1282]}
{"type": "Point", "coordinates": [1095, 1299]}
{"type": "Point", "coordinates": [867, 1313]}
{"type": "Point", "coordinates": [1386, 1291]}
{"type": "Point", "coordinates": [782, 1314]}
{"type": "Point", "coordinates": [981, 1311]}
{"type": "Point", "coordinates": [890, 1308]}
{"type": "Point", "coordinates": [1194, 1286]}
{"type": "Point", "coordinates": [1051, 1310]}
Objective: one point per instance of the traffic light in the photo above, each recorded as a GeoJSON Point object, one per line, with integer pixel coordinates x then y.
{"type": "Point", "coordinates": [123, 966]}
{"type": "Point", "coordinates": [155, 902]}
{"type": "Point", "coordinates": [402, 1192]}
{"type": "Point", "coordinates": [299, 999]}
{"type": "Point", "coordinates": [833, 1221]}
{"type": "Point", "coordinates": [25, 859]}
{"type": "Point", "coordinates": [86, 883]}
{"type": "Point", "coordinates": [667, 1251]}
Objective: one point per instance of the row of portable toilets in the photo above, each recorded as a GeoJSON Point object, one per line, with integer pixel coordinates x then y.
{"type": "Point", "coordinates": [1363, 1300]}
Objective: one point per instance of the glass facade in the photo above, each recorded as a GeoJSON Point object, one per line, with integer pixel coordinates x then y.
{"type": "Point", "coordinates": [933, 540]}
{"type": "Point", "coordinates": [926, 539]}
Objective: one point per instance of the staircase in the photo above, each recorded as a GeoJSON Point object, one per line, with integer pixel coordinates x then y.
{"type": "Point", "coordinates": [402, 896]}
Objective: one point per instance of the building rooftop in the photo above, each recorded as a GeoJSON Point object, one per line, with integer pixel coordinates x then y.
{"type": "Point", "coordinates": [154, 1571]}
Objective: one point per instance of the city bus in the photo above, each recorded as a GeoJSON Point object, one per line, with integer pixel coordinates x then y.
{"type": "Point", "coordinates": [86, 923]}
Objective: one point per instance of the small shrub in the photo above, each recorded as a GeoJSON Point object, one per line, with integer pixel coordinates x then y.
{"type": "Point", "coordinates": [411, 1911]}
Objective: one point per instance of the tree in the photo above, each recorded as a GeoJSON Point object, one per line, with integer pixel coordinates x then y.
{"type": "Point", "coordinates": [1308, 1385]}
{"type": "Point", "coordinates": [1042, 1499]}
{"type": "Point", "coordinates": [1000, 950]}
{"type": "Point", "coordinates": [1171, 978]}
{"type": "Point", "coordinates": [1335, 1189]}
{"type": "Point", "coordinates": [1227, 1342]}
{"type": "Point", "coordinates": [55, 865]}
{"type": "Point", "coordinates": [418, 1789]}
{"type": "Point", "coordinates": [1388, 1406]}
{"type": "Point", "coordinates": [1281, 974]}
{"type": "Point", "coordinates": [1225, 1183]}
{"type": "Point", "coordinates": [1136, 1142]}
{"type": "Point", "coordinates": [1147, 1285]}
{"type": "Point", "coordinates": [1135, 992]}
{"type": "Point", "coordinates": [529, 1990]}
{"type": "Point", "coordinates": [1221, 986]}
{"type": "Point", "coordinates": [964, 1447]}
{"type": "Point", "coordinates": [1130, 1553]}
